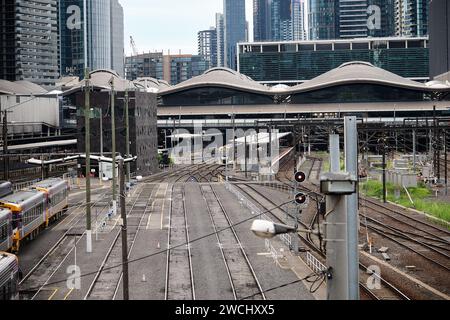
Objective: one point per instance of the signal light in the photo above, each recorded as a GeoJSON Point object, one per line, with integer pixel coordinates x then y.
{"type": "Point", "coordinates": [300, 177]}
{"type": "Point", "coordinates": [300, 198]}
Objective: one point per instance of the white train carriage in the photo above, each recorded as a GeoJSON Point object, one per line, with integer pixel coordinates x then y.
{"type": "Point", "coordinates": [57, 194]}
{"type": "Point", "coordinates": [9, 277]}
{"type": "Point", "coordinates": [29, 214]}
{"type": "Point", "coordinates": [6, 188]}
{"type": "Point", "coordinates": [6, 230]}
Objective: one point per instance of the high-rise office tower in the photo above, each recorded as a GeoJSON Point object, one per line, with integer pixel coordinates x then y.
{"type": "Point", "coordinates": [323, 17]}
{"type": "Point", "coordinates": [298, 20]}
{"type": "Point", "coordinates": [207, 46]}
{"type": "Point", "coordinates": [280, 20]}
{"type": "Point", "coordinates": [117, 38]}
{"type": "Point", "coordinates": [439, 38]}
{"type": "Point", "coordinates": [220, 33]}
{"type": "Point", "coordinates": [29, 42]}
{"type": "Point", "coordinates": [349, 19]}
{"type": "Point", "coordinates": [104, 36]}
{"type": "Point", "coordinates": [411, 17]}
{"type": "Point", "coordinates": [261, 20]}
{"type": "Point", "coordinates": [353, 19]}
{"type": "Point", "coordinates": [235, 25]}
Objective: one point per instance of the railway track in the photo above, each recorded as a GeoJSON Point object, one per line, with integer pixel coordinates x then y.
{"type": "Point", "coordinates": [100, 287]}
{"type": "Point", "coordinates": [387, 290]}
{"type": "Point", "coordinates": [32, 283]}
{"type": "Point", "coordinates": [243, 279]}
{"type": "Point", "coordinates": [179, 278]}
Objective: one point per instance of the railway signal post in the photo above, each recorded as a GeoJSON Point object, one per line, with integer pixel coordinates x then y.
{"type": "Point", "coordinates": [300, 199]}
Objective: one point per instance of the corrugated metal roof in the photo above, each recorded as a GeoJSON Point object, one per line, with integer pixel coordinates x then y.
{"type": "Point", "coordinates": [360, 72]}
{"type": "Point", "coordinates": [220, 77]}
{"type": "Point", "coordinates": [20, 88]}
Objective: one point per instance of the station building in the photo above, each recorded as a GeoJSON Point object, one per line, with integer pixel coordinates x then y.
{"type": "Point", "coordinates": [223, 99]}
{"type": "Point", "coordinates": [356, 87]}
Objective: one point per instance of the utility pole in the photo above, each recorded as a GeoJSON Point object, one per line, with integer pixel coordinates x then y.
{"type": "Point", "coordinates": [270, 151]}
{"type": "Point", "coordinates": [113, 141]}
{"type": "Point", "coordinates": [124, 232]}
{"type": "Point", "coordinates": [245, 154]}
{"type": "Point", "coordinates": [5, 144]}
{"type": "Point", "coordinates": [101, 145]}
{"type": "Point", "coordinates": [351, 166]}
{"type": "Point", "coordinates": [87, 124]}
{"type": "Point", "coordinates": [414, 150]}
{"type": "Point", "coordinates": [234, 141]}
{"type": "Point", "coordinates": [336, 222]}
{"type": "Point", "coordinates": [445, 162]}
{"type": "Point", "coordinates": [127, 133]}
{"type": "Point", "coordinates": [383, 149]}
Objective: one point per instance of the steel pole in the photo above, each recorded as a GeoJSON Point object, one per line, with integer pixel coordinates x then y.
{"type": "Point", "coordinates": [127, 134]}
{"type": "Point", "coordinates": [101, 146]}
{"type": "Point", "coordinates": [113, 142]}
{"type": "Point", "coordinates": [87, 124]}
{"type": "Point", "coordinates": [5, 145]}
{"type": "Point", "coordinates": [446, 162]}
{"type": "Point", "coordinates": [351, 165]}
{"type": "Point", "coordinates": [336, 221]}
{"type": "Point", "coordinates": [384, 173]}
{"type": "Point", "coordinates": [124, 232]}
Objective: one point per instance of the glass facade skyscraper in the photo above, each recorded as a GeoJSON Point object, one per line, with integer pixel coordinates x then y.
{"type": "Point", "coordinates": [411, 17]}
{"type": "Point", "coordinates": [105, 36]}
{"type": "Point", "coordinates": [278, 20]}
{"type": "Point", "coordinates": [261, 20]}
{"type": "Point", "coordinates": [220, 31]}
{"type": "Point", "coordinates": [349, 19]}
{"type": "Point", "coordinates": [29, 42]}
{"type": "Point", "coordinates": [439, 38]}
{"type": "Point", "coordinates": [298, 20]}
{"type": "Point", "coordinates": [323, 19]}
{"type": "Point", "coordinates": [207, 46]}
{"type": "Point", "coordinates": [304, 60]}
{"type": "Point", "coordinates": [235, 29]}
{"type": "Point", "coordinates": [117, 38]}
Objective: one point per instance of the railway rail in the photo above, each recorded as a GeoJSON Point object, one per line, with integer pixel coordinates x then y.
{"type": "Point", "coordinates": [243, 279]}
{"type": "Point", "coordinates": [31, 285]}
{"type": "Point", "coordinates": [100, 287]}
{"type": "Point", "coordinates": [179, 273]}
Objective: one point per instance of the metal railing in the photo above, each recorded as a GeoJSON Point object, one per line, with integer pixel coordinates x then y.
{"type": "Point", "coordinates": [286, 238]}
{"type": "Point", "coordinates": [315, 264]}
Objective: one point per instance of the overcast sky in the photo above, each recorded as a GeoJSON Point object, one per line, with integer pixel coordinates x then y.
{"type": "Point", "coordinates": [170, 24]}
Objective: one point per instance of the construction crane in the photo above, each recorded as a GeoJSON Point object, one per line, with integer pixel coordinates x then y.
{"type": "Point", "coordinates": [133, 46]}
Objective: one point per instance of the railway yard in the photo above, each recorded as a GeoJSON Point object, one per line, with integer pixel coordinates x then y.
{"type": "Point", "coordinates": [189, 238]}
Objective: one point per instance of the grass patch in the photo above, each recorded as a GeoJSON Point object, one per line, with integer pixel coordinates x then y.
{"type": "Point", "coordinates": [420, 196]}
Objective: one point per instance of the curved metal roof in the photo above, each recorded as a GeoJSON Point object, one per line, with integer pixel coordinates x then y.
{"type": "Point", "coordinates": [152, 83]}
{"type": "Point", "coordinates": [20, 88]}
{"type": "Point", "coordinates": [100, 79]}
{"type": "Point", "coordinates": [220, 77]}
{"type": "Point", "coordinates": [360, 72]}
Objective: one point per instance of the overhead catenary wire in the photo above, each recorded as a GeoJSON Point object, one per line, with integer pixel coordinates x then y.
{"type": "Point", "coordinates": [166, 250]}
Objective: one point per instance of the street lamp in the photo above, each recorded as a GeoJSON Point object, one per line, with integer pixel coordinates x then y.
{"type": "Point", "coordinates": [268, 229]}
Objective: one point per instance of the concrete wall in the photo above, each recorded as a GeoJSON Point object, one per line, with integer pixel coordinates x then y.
{"type": "Point", "coordinates": [30, 109]}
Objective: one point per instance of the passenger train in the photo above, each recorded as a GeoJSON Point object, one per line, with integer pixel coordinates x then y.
{"type": "Point", "coordinates": [25, 213]}
{"type": "Point", "coordinates": [6, 188]}
{"type": "Point", "coordinates": [9, 276]}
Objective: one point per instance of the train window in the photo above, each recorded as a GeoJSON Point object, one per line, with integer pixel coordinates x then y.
{"type": "Point", "coordinates": [3, 232]}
